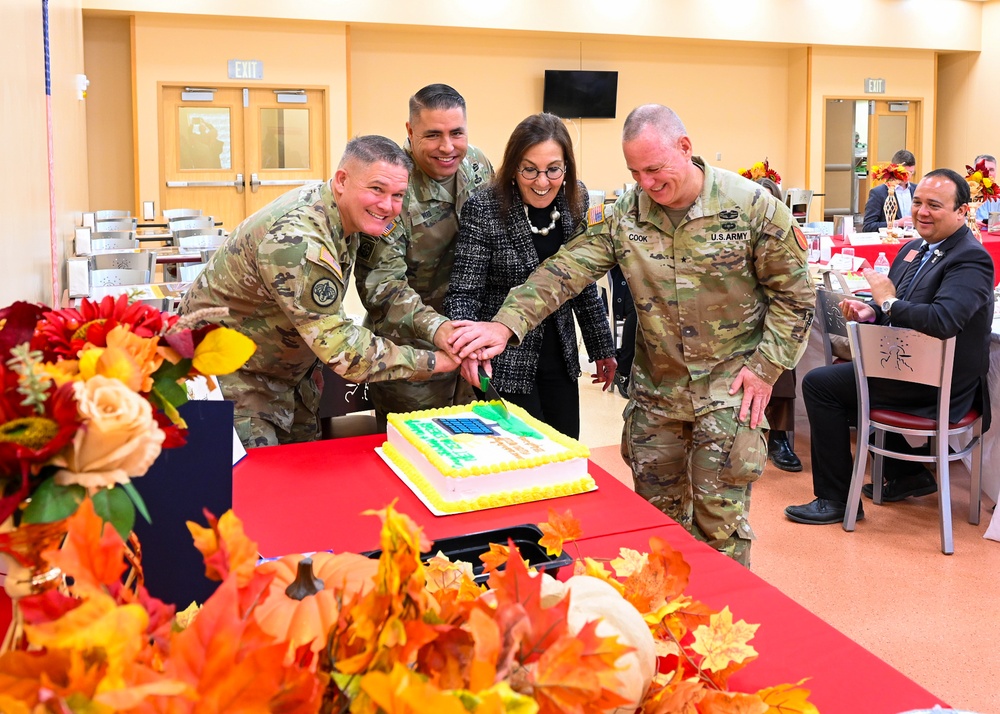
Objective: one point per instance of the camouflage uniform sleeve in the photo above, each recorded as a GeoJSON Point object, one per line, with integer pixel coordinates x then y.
{"type": "Point", "coordinates": [308, 286]}
{"type": "Point", "coordinates": [472, 257]}
{"type": "Point", "coordinates": [394, 308]}
{"type": "Point", "coordinates": [577, 264]}
{"type": "Point", "coordinates": [783, 272]}
{"type": "Point", "coordinates": [590, 310]}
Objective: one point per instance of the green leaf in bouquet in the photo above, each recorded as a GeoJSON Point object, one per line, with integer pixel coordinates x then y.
{"type": "Point", "coordinates": [167, 406]}
{"type": "Point", "coordinates": [170, 391]}
{"type": "Point", "coordinates": [171, 371]}
{"type": "Point", "coordinates": [137, 500]}
{"type": "Point", "coordinates": [114, 506]}
{"type": "Point", "coordinates": [51, 502]}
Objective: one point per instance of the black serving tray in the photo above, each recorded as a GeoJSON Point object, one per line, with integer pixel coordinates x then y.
{"type": "Point", "coordinates": [469, 547]}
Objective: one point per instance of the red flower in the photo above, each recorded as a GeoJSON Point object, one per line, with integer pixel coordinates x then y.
{"type": "Point", "coordinates": [63, 333]}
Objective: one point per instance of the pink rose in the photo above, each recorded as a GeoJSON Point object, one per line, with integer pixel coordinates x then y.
{"type": "Point", "coordinates": [119, 438]}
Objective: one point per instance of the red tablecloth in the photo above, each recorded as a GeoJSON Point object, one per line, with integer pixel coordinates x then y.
{"type": "Point", "coordinates": [308, 497]}
{"type": "Point", "coordinates": [991, 241]}
{"type": "Point", "coordinates": [793, 644]}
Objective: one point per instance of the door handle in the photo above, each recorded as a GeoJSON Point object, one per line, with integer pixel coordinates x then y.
{"type": "Point", "coordinates": [254, 183]}
{"type": "Point", "coordinates": [237, 184]}
{"type": "Point", "coordinates": [240, 183]}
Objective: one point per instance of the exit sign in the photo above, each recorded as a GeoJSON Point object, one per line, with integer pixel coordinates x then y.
{"type": "Point", "coordinates": [246, 69]}
{"type": "Point", "coordinates": [874, 86]}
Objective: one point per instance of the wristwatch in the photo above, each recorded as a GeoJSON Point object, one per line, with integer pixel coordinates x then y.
{"type": "Point", "coordinates": [887, 305]}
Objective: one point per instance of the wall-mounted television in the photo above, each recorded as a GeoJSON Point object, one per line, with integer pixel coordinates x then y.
{"type": "Point", "coordinates": [580, 94]}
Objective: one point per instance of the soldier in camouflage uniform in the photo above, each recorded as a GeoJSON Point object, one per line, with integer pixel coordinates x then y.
{"type": "Point", "coordinates": [419, 251]}
{"type": "Point", "coordinates": [282, 274]}
{"type": "Point", "coordinates": [718, 271]}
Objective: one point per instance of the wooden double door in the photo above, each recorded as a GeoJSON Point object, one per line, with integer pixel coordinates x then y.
{"type": "Point", "coordinates": [232, 150]}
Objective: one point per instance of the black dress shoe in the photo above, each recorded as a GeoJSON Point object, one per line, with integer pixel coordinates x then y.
{"type": "Point", "coordinates": [903, 487]}
{"type": "Point", "coordinates": [821, 512]}
{"type": "Point", "coordinates": [780, 452]}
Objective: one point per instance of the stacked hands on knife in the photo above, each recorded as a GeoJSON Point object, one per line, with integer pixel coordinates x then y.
{"type": "Point", "coordinates": [470, 345]}
{"type": "Point", "coordinates": [476, 343]}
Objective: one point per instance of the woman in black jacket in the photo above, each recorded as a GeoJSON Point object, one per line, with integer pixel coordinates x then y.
{"type": "Point", "coordinates": [534, 205]}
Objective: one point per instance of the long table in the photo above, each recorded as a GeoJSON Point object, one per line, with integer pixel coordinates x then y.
{"type": "Point", "coordinates": [991, 241]}
{"type": "Point", "coordinates": [308, 497]}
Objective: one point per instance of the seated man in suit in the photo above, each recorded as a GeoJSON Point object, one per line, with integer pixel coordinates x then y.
{"type": "Point", "coordinates": [986, 207]}
{"type": "Point", "coordinates": [945, 288]}
{"type": "Point", "coordinates": [875, 217]}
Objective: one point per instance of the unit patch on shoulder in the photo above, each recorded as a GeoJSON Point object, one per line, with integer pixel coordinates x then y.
{"type": "Point", "coordinates": [324, 292]}
{"type": "Point", "coordinates": [595, 215]}
{"type": "Point", "coordinates": [800, 238]}
{"type": "Point", "coordinates": [388, 229]}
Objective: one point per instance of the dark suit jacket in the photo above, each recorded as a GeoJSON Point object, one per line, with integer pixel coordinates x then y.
{"type": "Point", "coordinates": [495, 253]}
{"type": "Point", "coordinates": [952, 296]}
{"type": "Point", "coordinates": [875, 208]}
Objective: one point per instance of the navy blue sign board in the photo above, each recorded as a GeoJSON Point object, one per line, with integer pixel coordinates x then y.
{"type": "Point", "coordinates": [181, 483]}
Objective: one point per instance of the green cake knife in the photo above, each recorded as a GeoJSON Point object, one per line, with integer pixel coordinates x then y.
{"type": "Point", "coordinates": [491, 392]}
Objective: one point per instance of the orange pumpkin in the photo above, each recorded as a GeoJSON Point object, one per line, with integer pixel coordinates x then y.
{"type": "Point", "coordinates": [301, 605]}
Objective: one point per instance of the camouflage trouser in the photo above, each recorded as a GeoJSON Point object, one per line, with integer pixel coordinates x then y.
{"type": "Point", "coordinates": [401, 396]}
{"type": "Point", "coordinates": [698, 473]}
{"type": "Point", "coordinates": [257, 429]}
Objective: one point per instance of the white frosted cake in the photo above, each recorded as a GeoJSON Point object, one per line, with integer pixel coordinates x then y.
{"type": "Point", "coordinates": [471, 457]}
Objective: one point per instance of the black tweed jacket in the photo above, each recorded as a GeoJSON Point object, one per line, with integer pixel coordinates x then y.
{"type": "Point", "coordinates": [495, 253]}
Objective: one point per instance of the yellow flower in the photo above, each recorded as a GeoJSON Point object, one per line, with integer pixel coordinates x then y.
{"type": "Point", "coordinates": [120, 438]}
{"type": "Point", "coordinates": [222, 351]}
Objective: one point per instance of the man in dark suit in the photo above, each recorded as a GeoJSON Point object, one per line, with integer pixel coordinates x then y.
{"type": "Point", "coordinates": [945, 289]}
{"type": "Point", "coordinates": [875, 217]}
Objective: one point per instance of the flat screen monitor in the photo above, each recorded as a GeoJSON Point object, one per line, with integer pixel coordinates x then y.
{"type": "Point", "coordinates": [580, 94]}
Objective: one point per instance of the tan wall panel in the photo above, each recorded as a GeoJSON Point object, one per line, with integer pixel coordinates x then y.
{"type": "Point", "coordinates": [110, 153]}
{"type": "Point", "coordinates": [177, 49]}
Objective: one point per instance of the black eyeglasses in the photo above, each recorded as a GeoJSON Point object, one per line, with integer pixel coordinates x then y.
{"type": "Point", "coordinates": [531, 173]}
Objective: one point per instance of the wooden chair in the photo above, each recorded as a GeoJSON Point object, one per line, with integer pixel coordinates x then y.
{"type": "Point", "coordinates": [909, 356]}
{"type": "Point", "coordinates": [125, 268]}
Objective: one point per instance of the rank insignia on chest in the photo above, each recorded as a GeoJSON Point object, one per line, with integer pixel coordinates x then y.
{"type": "Point", "coordinates": [324, 292]}
{"type": "Point", "coordinates": [726, 236]}
{"type": "Point", "coordinates": [389, 228]}
{"type": "Point", "coordinates": [595, 215]}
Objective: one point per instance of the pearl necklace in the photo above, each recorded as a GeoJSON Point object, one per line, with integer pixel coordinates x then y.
{"type": "Point", "coordinates": [543, 231]}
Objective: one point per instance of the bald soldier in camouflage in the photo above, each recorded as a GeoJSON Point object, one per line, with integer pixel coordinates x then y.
{"type": "Point", "coordinates": [419, 250]}
{"type": "Point", "coordinates": [282, 274]}
{"type": "Point", "coordinates": [718, 271]}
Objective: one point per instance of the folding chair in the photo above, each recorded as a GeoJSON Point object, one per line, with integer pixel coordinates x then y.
{"type": "Point", "coordinates": [915, 358]}
{"type": "Point", "coordinates": [125, 268]}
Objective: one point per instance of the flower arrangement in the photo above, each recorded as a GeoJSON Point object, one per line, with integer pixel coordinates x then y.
{"type": "Point", "coordinates": [398, 636]}
{"type": "Point", "coordinates": [889, 172]}
{"type": "Point", "coordinates": [90, 397]}
{"type": "Point", "coordinates": [761, 169]}
{"type": "Point", "coordinates": [981, 186]}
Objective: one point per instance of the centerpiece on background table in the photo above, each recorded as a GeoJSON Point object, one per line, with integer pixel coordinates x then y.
{"type": "Point", "coordinates": [892, 175]}
{"type": "Point", "coordinates": [981, 188]}
{"type": "Point", "coordinates": [90, 397]}
{"type": "Point", "coordinates": [760, 170]}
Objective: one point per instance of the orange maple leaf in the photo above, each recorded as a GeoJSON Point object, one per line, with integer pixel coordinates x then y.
{"type": "Point", "coordinates": [496, 557]}
{"type": "Point", "coordinates": [788, 699]}
{"type": "Point", "coordinates": [628, 562]}
{"type": "Point", "coordinates": [578, 671]}
{"type": "Point", "coordinates": [559, 529]}
{"type": "Point", "coordinates": [225, 547]}
{"type": "Point", "coordinates": [93, 552]}
{"type": "Point", "coordinates": [723, 643]}
{"type": "Point", "coordinates": [716, 702]}
{"type": "Point", "coordinates": [678, 697]}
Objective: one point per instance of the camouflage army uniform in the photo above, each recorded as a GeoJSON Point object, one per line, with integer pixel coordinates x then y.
{"type": "Point", "coordinates": [282, 273]}
{"type": "Point", "coordinates": [418, 251]}
{"type": "Point", "coordinates": [728, 288]}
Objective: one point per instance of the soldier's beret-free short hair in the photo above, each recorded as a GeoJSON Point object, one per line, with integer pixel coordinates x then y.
{"type": "Point", "coordinates": [371, 148]}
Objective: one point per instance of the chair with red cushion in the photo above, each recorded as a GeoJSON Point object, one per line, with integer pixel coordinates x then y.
{"type": "Point", "coordinates": [907, 355]}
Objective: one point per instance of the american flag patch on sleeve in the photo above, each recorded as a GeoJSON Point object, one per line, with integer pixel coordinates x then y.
{"type": "Point", "coordinates": [595, 215]}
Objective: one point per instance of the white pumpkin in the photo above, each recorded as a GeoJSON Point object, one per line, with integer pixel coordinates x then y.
{"type": "Point", "coordinates": [592, 599]}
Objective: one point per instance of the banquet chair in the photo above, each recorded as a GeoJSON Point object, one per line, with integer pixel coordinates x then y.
{"type": "Point", "coordinates": [799, 200]}
{"type": "Point", "coordinates": [111, 215]}
{"type": "Point", "coordinates": [195, 240]}
{"type": "Point", "coordinates": [205, 224]}
{"type": "Point", "coordinates": [174, 213]}
{"type": "Point", "coordinates": [188, 272]}
{"type": "Point", "coordinates": [344, 408]}
{"type": "Point", "coordinates": [834, 325]}
{"type": "Point", "coordinates": [113, 240]}
{"type": "Point", "coordinates": [115, 224]}
{"type": "Point", "coordinates": [124, 268]}
{"type": "Point", "coordinates": [913, 357]}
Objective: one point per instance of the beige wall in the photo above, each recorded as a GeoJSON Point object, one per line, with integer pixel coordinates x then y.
{"type": "Point", "coordinates": [26, 239]}
{"type": "Point", "coordinates": [839, 73]}
{"type": "Point", "coordinates": [107, 54]}
{"type": "Point", "coordinates": [179, 49]}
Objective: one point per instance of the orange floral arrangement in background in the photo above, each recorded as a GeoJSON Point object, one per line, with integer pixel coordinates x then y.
{"type": "Point", "coordinates": [761, 169]}
{"type": "Point", "coordinates": [981, 186]}
{"type": "Point", "coordinates": [889, 172]}
{"type": "Point", "coordinates": [90, 397]}
{"type": "Point", "coordinates": [401, 636]}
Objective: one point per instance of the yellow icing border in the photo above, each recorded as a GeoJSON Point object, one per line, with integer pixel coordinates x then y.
{"type": "Point", "coordinates": [575, 450]}
{"type": "Point", "coordinates": [535, 493]}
